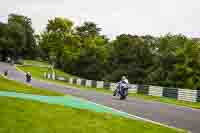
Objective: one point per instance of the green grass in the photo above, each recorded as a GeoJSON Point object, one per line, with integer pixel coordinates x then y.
{"type": "Point", "coordinates": [9, 85]}
{"type": "Point", "coordinates": [32, 62]}
{"type": "Point", "coordinates": [22, 116]}
{"type": "Point", "coordinates": [37, 73]}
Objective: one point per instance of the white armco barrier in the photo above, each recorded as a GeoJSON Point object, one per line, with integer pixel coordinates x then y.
{"type": "Point", "coordinates": [187, 95]}
{"type": "Point", "coordinates": [99, 84]}
{"type": "Point", "coordinates": [88, 83]}
{"type": "Point", "coordinates": [155, 91]}
{"type": "Point", "coordinates": [133, 88]}
{"type": "Point", "coordinates": [53, 76]}
{"type": "Point", "coordinates": [48, 75]}
{"type": "Point", "coordinates": [78, 81]}
{"type": "Point", "coordinates": [113, 86]}
{"type": "Point", "coordinates": [71, 80]}
{"type": "Point", "coordinates": [180, 94]}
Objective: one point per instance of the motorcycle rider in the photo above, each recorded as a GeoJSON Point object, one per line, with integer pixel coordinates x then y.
{"type": "Point", "coordinates": [28, 77]}
{"type": "Point", "coordinates": [123, 81]}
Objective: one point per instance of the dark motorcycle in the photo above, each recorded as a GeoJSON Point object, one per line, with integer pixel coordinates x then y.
{"type": "Point", "coordinates": [121, 90]}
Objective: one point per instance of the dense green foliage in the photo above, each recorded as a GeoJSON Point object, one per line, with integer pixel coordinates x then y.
{"type": "Point", "coordinates": [169, 60]}
{"type": "Point", "coordinates": [17, 38]}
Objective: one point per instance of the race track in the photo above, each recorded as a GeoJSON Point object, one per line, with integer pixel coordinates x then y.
{"type": "Point", "coordinates": [172, 115]}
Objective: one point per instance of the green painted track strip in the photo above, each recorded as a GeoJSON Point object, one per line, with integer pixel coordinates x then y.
{"type": "Point", "coordinates": [69, 101]}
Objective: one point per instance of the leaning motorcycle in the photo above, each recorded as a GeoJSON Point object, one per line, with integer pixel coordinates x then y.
{"type": "Point", "coordinates": [121, 90]}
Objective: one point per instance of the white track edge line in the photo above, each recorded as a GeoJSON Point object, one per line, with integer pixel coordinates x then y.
{"type": "Point", "coordinates": [136, 117]}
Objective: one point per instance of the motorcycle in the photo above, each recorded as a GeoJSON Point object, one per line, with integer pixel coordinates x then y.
{"type": "Point", "coordinates": [121, 90]}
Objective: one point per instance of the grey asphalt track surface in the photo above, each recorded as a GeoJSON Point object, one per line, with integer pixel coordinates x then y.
{"type": "Point", "coordinates": [172, 115]}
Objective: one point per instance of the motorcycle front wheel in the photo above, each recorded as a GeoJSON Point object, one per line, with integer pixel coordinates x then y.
{"type": "Point", "coordinates": [122, 97]}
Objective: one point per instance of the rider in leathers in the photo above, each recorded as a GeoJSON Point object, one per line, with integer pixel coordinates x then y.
{"type": "Point", "coordinates": [123, 81]}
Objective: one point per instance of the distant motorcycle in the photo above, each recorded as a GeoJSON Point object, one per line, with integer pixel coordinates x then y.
{"type": "Point", "coordinates": [121, 90]}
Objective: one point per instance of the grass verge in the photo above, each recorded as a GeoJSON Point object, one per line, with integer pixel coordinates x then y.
{"type": "Point", "coordinates": [22, 116]}
{"type": "Point", "coordinates": [38, 72]}
{"type": "Point", "coordinates": [32, 62]}
{"type": "Point", "coordinates": [13, 86]}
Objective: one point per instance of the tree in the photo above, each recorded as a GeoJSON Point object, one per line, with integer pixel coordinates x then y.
{"type": "Point", "coordinates": [162, 71]}
{"type": "Point", "coordinates": [88, 29]}
{"type": "Point", "coordinates": [59, 24]}
{"type": "Point", "coordinates": [93, 52]}
{"type": "Point", "coordinates": [59, 40]}
{"type": "Point", "coordinates": [187, 67]}
{"type": "Point", "coordinates": [129, 56]}
{"type": "Point", "coordinates": [12, 39]}
{"type": "Point", "coordinates": [91, 63]}
{"type": "Point", "coordinates": [23, 26]}
{"type": "Point", "coordinates": [3, 41]}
